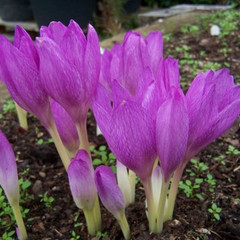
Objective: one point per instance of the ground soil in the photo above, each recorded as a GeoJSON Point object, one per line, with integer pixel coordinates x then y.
{"type": "Point", "coordinates": [191, 218]}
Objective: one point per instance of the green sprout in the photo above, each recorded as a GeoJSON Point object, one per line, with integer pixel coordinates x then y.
{"type": "Point", "coordinates": [232, 150]}
{"type": "Point", "coordinates": [215, 211]}
{"type": "Point", "coordinates": [47, 200]}
{"type": "Point", "coordinates": [189, 188]}
{"type": "Point", "coordinates": [8, 106]}
{"type": "Point", "coordinates": [74, 236]}
{"type": "Point", "coordinates": [75, 219]}
{"type": "Point", "coordinates": [102, 235]}
{"type": "Point", "coordinates": [102, 157]}
{"type": "Point", "coordinates": [211, 182]}
{"type": "Point", "coordinates": [220, 159]}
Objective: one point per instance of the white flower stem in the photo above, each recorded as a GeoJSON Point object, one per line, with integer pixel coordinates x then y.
{"type": "Point", "coordinates": [90, 220]}
{"type": "Point", "coordinates": [59, 145]}
{"type": "Point", "coordinates": [161, 205]}
{"type": "Point", "coordinates": [124, 182]}
{"type": "Point", "coordinates": [97, 215]}
{"type": "Point", "coordinates": [83, 136]}
{"type": "Point", "coordinates": [173, 190]}
{"type": "Point", "coordinates": [124, 225]}
{"type": "Point", "coordinates": [132, 181]}
{"type": "Point", "coordinates": [151, 208]}
{"type": "Point", "coordinates": [19, 220]}
{"type": "Point", "coordinates": [22, 116]}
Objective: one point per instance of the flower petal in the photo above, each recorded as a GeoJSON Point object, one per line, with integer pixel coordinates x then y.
{"type": "Point", "coordinates": [155, 49]}
{"type": "Point", "coordinates": [132, 138]}
{"type": "Point", "coordinates": [65, 127]}
{"type": "Point", "coordinates": [108, 190]}
{"type": "Point", "coordinates": [8, 170]}
{"type": "Point", "coordinates": [81, 181]}
{"type": "Point", "coordinates": [172, 132]}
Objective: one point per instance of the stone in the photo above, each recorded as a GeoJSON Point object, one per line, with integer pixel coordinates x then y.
{"type": "Point", "coordinates": [37, 187]}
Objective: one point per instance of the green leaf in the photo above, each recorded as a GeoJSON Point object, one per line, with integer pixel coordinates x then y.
{"type": "Point", "coordinates": [97, 162]}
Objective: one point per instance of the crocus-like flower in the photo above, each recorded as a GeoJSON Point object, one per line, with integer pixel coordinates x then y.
{"type": "Point", "coordinates": [8, 170]}
{"type": "Point", "coordinates": [134, 83]}
{"type": "Point", "coordinates": [19, 65]}
{"type": "Point", "coordinates": [126, 62]}
{"type": "Point", "coordinates": [172, 136]}
{"type": "Point", "coordinates": [69, 68]}
{"type": "Point", "coordinates": [111, 196]}
{"type": "Point", "coordinates": [213, 103]}
{"type": "Point", "coordinates": [65, 127]}
{"type": "Point", "coordinates": [172, 132]}
{"type": "Point", "coordinates": [84, 192]}
{"type": "Point", "coordinates": [9, 181]}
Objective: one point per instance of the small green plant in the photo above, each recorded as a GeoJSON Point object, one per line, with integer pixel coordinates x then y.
{"type": "Point", "coordinates": [74, 236]}
{"type": "Point", "coordinates": [188, 28]}
{"type": "Point", "coordinates": [189, 188]}
{"type": "Point", "coordinates": [225, 51]}
{"type": "Point", "coordinates": [211, 182]}
{"type": "Point", "coordinates": [101, 156]}
{"type": "Point", "coordinates": [167, 37]}
{"type": "Point", "coordinates": [215, 211]}
{"type": "Point", "coordinates": [8, 236]}
{"type": "Point", "coordinates": [41, 141]}
{"type": "Point", "coordinates": [220, 159]}
{"type": "Point", "coordinates": [232, 150]}
{"type": "Point", "coordinates": [202, 53]}
{"type": "Point", "coordinates": [199, 168]}
{"type": "Point", "coordinates": [47, 200]}
{"type": "Point", "coordinates": [8, 106]}
{"type": "Point", "coordinates": [102, 235]}
{"type": "Point", "coordinates": [76, 223]}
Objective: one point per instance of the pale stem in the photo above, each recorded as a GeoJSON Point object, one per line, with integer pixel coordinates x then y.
{"type": "Point", "coordinates": [161, 205]}
{"type": "Point", "coordinates": [90, 220]}
{"type": "Point", "coordinates": [19, 220]}
{"type": "Point", "coordinates": [22, 116]}
{"type": "Point", "coordinates": [71, 154]}
{"type": "Point", "coordinates": [124, 225]}
{"type": "Point", "coordinates": [151, 208]}
{"type": "Point", "coordinates": [97, 215]}
{"type": "Point", "coordinates": [83, 136]}
{"type": "Point", "coordinates": [59, 145]}
{"type": "Point", "coordinates": [173, 190]}
{"type": "Point", "coordinates": [132, 181]}
{"type": "Point", "coordinates": [124, 182]}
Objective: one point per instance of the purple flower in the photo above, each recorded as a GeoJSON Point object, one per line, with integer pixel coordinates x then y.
{"type": "Point", "coordinates": [213, 104]}
{"type": "Point", "coordinates": [80, 175]}
{"type": "Point", "coordinates": [19, 69]}
{"type": "Point", "coordinates": [8, 170]}
{"type": "Point", "coordinates": [125, 63]}
{"type": "Point", "coordinates": [108, 190]}
{"type": "Point", "coordinates": [172, 132]}
{"type": "Point", "coordinates": [69, 66]}
{"type": "Point", "coordinates": [65, 127]}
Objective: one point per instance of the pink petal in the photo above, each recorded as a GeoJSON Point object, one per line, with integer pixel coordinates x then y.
{"type": "Point", "coordinates": [132, 138]}
{"type": "Point", "coordinates": [8, 170]}
{"type": "Point", "coordinates": [172, 132]}
{"type": "Point", "coordinates": [155, 49]}
{"type": "Point", "coordinates": [65, 127]}
{"type": "Point", "coordinates": [23, 83]}
{"type": "Point", "coordinates": [108, 190]}
{"type": "Point", "coordinates": [81, 181]}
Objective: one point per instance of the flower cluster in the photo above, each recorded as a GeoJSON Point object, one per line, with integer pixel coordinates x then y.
{"type": "Point", "coordinates": [150, 125]}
